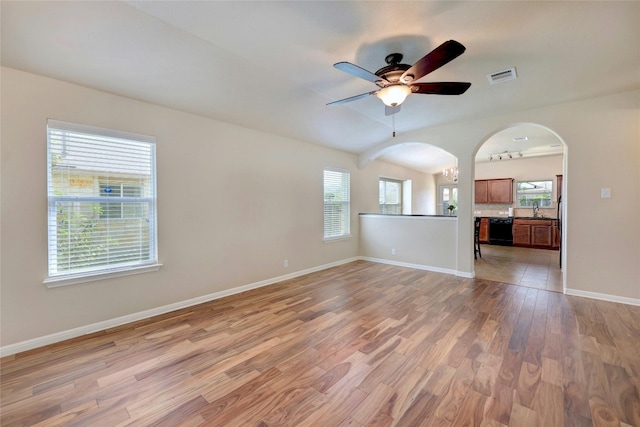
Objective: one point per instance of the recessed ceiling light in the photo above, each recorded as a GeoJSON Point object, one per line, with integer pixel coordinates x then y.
{"type": "Point", "coordinates": [520, 138]}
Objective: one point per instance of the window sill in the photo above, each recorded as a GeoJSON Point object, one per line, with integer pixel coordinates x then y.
{"type": "Point", "coordinates": [55, 282]}
{"type": "Point", "coordinates": [336, 239]}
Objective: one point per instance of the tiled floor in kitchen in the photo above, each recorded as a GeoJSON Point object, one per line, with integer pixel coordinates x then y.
{"type": "Point", "coordinates": [534, 268]}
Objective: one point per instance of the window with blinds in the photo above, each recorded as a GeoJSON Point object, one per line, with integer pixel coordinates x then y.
{"type": "Point", "coordinates": [102, 201]}
{"type": "Point", "coordinates": [390, 196]}
{"type": "Point", "coordinates": [337, 204]}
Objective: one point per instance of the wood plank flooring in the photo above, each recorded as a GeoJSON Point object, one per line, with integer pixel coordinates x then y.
{"type": "Point", "coordinates": [362, 344]}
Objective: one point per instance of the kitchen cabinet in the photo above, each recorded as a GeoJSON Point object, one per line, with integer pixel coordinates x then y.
{"type": "Point", "coordinates": [484, 230]}
{"type": "Point", "coordinates": [482, 191]}
{"type": "Point", "coordinates": [535, 233]}
{"type": "Point", "coordinates": [556, 235]}
{"type": "Point", "coordinates": [498, 191]}
{"type": "Point", "coordinates": [521, 234]}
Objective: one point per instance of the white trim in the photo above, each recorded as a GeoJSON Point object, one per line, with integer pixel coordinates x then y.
{"type": "Point", "coordinates": [112, 133]}
{"type": "Point", "coordinates": [603, 297]}
{"type": "Point", "coordinates": [411, 265]}
{"type": "Point", "coordinates": [466, 275]}
{"type": "Point", "coordinates": [100, 326]}
{"type": "Point", "coordinates": [337, 238]}
{"type": "Point", "coordinates": [55, 282]}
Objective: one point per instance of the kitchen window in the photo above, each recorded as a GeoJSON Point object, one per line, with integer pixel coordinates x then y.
{"type": "Point", "coordinates": [390, 196]}
{"type": "Point", "coordinates": [102, 203]}
{"type": "Point", "coordinates": [337, 204]}
{"type": "Point", "coordinates": [529, 193]}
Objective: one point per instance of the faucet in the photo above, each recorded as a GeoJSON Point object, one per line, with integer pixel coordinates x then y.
{"type": "Point", "coordinates": [536, 209]}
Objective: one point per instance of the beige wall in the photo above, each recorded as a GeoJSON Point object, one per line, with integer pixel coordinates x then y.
{"type": "Point", "coordinates": [602, 137]}
{"type": "Point", "coordinates": [422, 242]}
{"type": "Point", "coordinates": [233, 204]}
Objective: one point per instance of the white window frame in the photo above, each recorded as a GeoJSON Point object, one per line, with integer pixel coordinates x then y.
{"type": "Point", "coordinates": [442, 209]}
{"type": "Point", "coordinates": [535, 191]}
{"type": "Point", "coordinates": [382, 202]}
{"type": "Point", "coordinates": [344, 232]}
{"type": "Point", "coordinates": [57, 277]}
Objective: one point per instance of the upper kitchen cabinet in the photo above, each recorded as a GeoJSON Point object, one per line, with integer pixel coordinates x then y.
{"type": "Point", "coordinates": [495, 191]}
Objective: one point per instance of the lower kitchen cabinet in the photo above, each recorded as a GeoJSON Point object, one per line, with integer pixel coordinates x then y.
{"type": "Point", "coordinates": [535, 233]}
{"type": "Point", "coordinates": [484, 230]}
{"type": "Point", "coordinates": [521, 234]}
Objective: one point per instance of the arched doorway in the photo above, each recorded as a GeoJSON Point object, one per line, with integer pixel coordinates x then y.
{"type": "Point", "coordinates": [534, 157]}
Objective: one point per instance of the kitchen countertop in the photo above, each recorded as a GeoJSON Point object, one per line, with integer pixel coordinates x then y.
{"type": "Point", "coordinates": [521, 217]}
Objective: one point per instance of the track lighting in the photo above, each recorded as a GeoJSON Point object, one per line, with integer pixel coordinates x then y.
{"type": "Point", "coordinates": [505, 155]}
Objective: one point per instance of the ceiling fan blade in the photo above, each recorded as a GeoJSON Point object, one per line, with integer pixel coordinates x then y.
{"type": "Point", "coordinates": [440, 88]}
{"type": "Point", "coordinates": [352, 98]}
{"type": "Point", "coordinates": [390, 111]}
{"type": "Point", "coordinates": [354, 70]}
{"type": "Point", "coordinates": [433, 60]}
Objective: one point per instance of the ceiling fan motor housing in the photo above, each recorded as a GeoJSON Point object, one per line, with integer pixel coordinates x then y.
{"type": "Point", "coordinates": [392, 72]}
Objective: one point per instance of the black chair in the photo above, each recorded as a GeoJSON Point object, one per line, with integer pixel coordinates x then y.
{"type": "Point", "coordinates": [476, 238]}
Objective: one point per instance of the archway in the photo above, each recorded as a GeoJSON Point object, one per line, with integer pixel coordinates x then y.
{"type": "Point", "coordinates": [425, 158]}
{"type": "Point", "coordinates": [535, 157]}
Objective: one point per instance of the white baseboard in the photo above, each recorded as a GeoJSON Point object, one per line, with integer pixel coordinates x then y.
{"type": "Point", "coordinates": [411, 265]}
{"type": "Point", "coordinates": [100, 326]}
{"type": "Point", "coordinates": [118, 321]}
{"type": "Point", "coordinates": [603, 297]}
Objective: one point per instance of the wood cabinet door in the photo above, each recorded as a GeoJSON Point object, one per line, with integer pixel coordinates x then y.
{"type": "Point", "coordinates": [500, 190]}
{"type": "Point", "coordinates": [484, 230]}
{"type": "Point", "coordinates": [482, 192]}
{"type": "Point", "coordinates": [555, 235]}
{"type": "Point", "coordinates": [541, 236]}
{"type": "Point", "coordinates": [521, 235]}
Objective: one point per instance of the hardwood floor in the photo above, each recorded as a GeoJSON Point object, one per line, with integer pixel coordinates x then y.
{"type": "Point", "coordinates": [533, 268]}
{"type": "Point", "coordinates": [362, 344]}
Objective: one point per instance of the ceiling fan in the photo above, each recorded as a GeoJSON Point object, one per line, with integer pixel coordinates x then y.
{"type": "Point", "coordinates": [395, 80]}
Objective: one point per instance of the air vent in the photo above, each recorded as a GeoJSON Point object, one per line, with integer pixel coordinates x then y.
{"type": "Point", "coordinates": [502, 76]}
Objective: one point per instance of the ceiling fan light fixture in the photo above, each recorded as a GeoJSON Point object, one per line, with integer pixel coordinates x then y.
{"type": "Point", "coordinates": [394, 95]}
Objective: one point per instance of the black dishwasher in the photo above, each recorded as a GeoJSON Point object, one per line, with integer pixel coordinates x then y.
{"type": "Point", "coordinates": [501, 231]}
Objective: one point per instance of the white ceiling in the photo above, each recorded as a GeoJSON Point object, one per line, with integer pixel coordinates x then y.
{"type": "Point", "coordinates": [268, 64]}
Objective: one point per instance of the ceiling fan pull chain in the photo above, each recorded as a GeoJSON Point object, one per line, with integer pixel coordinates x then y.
{"type": "Point", "coordinates": [393, 122]}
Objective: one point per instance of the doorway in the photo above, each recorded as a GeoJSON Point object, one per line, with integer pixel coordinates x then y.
{"type": "Point", "coordinates": [524, 152]}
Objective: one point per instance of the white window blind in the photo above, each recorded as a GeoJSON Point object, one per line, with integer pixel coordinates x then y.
{"type": "Point", "coordinates": [337, 205]}
{"type": "Point", "coordinates": [102, 200]}
{"type": "Point", "coordinates": [390, 196]}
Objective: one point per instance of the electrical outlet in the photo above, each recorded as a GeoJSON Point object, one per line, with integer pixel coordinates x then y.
{"type": "Point", "coordinates": [286, 263]}
{"type": "Point", "coordinates": [393, 251]}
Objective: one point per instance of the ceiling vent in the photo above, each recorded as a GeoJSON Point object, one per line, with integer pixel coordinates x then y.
{"type": "Point", "coordinates": [502, 76]}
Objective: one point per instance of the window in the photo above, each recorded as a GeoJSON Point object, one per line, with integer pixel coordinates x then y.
{"type": "Point", "coordinates": [113, 188]}
{"type": "Point", "coordinates": [530, 192]}
{"type": "Point", "coordinates": [102, 202]}
{"type": "Point", "coordinates": [448, 199]}
{"type": "Point", "coordinates": [337, 209]}
{"type": "Point", "coordinates": [390, 196]}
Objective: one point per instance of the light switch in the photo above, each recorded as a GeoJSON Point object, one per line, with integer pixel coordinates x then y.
{"type": "Point", "coordinates": [605, 193]}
